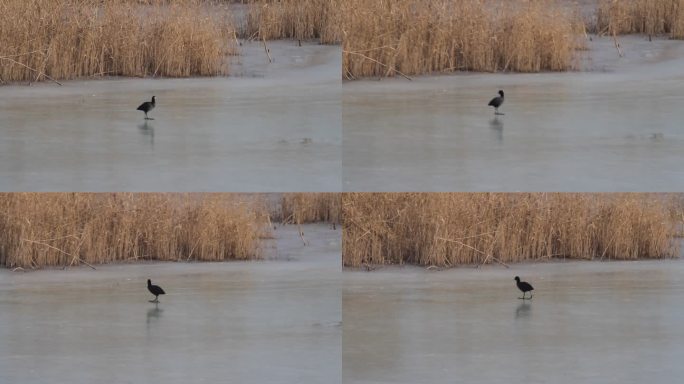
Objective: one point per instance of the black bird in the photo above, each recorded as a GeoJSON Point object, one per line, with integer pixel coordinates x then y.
{"type": "Point", "coordinates": [155, 290]}
{"type": "Point", "coordinates": [146, 107]}
{"type": "Point", "coordinates": [524, 287]}
{"type": "Point", "coordinates": [497, 102]}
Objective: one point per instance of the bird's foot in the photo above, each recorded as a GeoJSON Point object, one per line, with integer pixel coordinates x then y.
{"type": "Point", "coordinates": [522, 298]}
{"type": "Point", "coordinates": [149, 118]}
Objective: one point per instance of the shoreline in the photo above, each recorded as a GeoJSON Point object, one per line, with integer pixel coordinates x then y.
{"type": "Point", "coordinates": [407, 268]}
{"type": "Point", "coordinates": [663, 56]}
{"type": "Point", "coordinates": [285, 251]}
{"type": "Point", "coordinates": [317, 61]}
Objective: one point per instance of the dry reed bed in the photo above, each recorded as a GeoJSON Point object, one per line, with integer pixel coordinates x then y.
{"type": "Point", "coordinates": [60, 229]}
{"type": "Point", "coordinates": [390, 37]}
{"type": "Point", "coordinates": [448, 229]}
{"type": "Point", "coordinates": [302, 208]}
{"type": "Point", "coordinates": [652, 17]}
{"type": "Point", "coordinates": [66, 39]}
{"type": "Point", "coordinates": [294, 19]}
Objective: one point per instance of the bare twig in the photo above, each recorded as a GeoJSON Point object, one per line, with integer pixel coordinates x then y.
{"type": "Point", "coordinates": [301, 234]}
{"type": "Point", "coordinates": [60, 251]}
{"type": "Point", "coordinates": [29, 68]}
{"type": "Point", "coordinates": [42, 70]}
{"type": "Point", "coordinates": [86, 263]}
{"type": "Point", "coordinates": [487, 256]}
{"type": "Point", "coordinates": [268, 53]}
{"type": "Point", "coordinates": [22, 54]}
{"type": "Point", "coordinates": [377, 62]}
{"type": "Point", "coordinates": [500, 262]}
{"type": "Point", "coordinates": [617, 45]}
{"type": "Point", "coordinates": [192, 250]}
{"type": "Point", "coordinates": [606, 248]}
{"type": "Point", "coordinates": [236, 39]}
{"type": "Point", "coordinates": [461, 243]}
{"type": "Point", "coordinates": [47, 245]}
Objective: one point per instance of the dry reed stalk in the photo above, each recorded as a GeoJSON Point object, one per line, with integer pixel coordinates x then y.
{"type": "Point", "coordinates": [66, 39]}
{"type": "Point", "coordinates": [294, 19]}
{"type": "Point", "coordinates": [651, 17]}
{"type": "Point", "coordinates": [449, 229]}
{"type": "Point", "coordinates": [302, 208]}
{"type": "Point", "coordinates": [385, 38]}
{"type": "Point", "coordinates": [62, 229]}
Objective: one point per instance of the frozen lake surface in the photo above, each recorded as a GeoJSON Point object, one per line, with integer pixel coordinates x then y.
{"type": "Point", "coordinates": [615, 127]}
{"type": "Point", "coordinates": [271, 127]}
{"type": "Point", "coordinates": [274, 321]}
{"type": "Point", "coordinates": [589, 322]}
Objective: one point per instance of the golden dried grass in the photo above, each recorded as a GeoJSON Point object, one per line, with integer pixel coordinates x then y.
{"type": "Point", "coordinates": [60, 229]}
{"type": "Point", "coordinates": [294, 19]}
{"type": "Point", "coordinates": [652, 17]}
{"type": "Point", "coordinates": [302, 208]}
{"type": "Point", "coordinates": [449, 229]}
{"type": "Point", "coordinates": [66, 39]}
{"type": "Point", "coordinates": [390, 37]}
